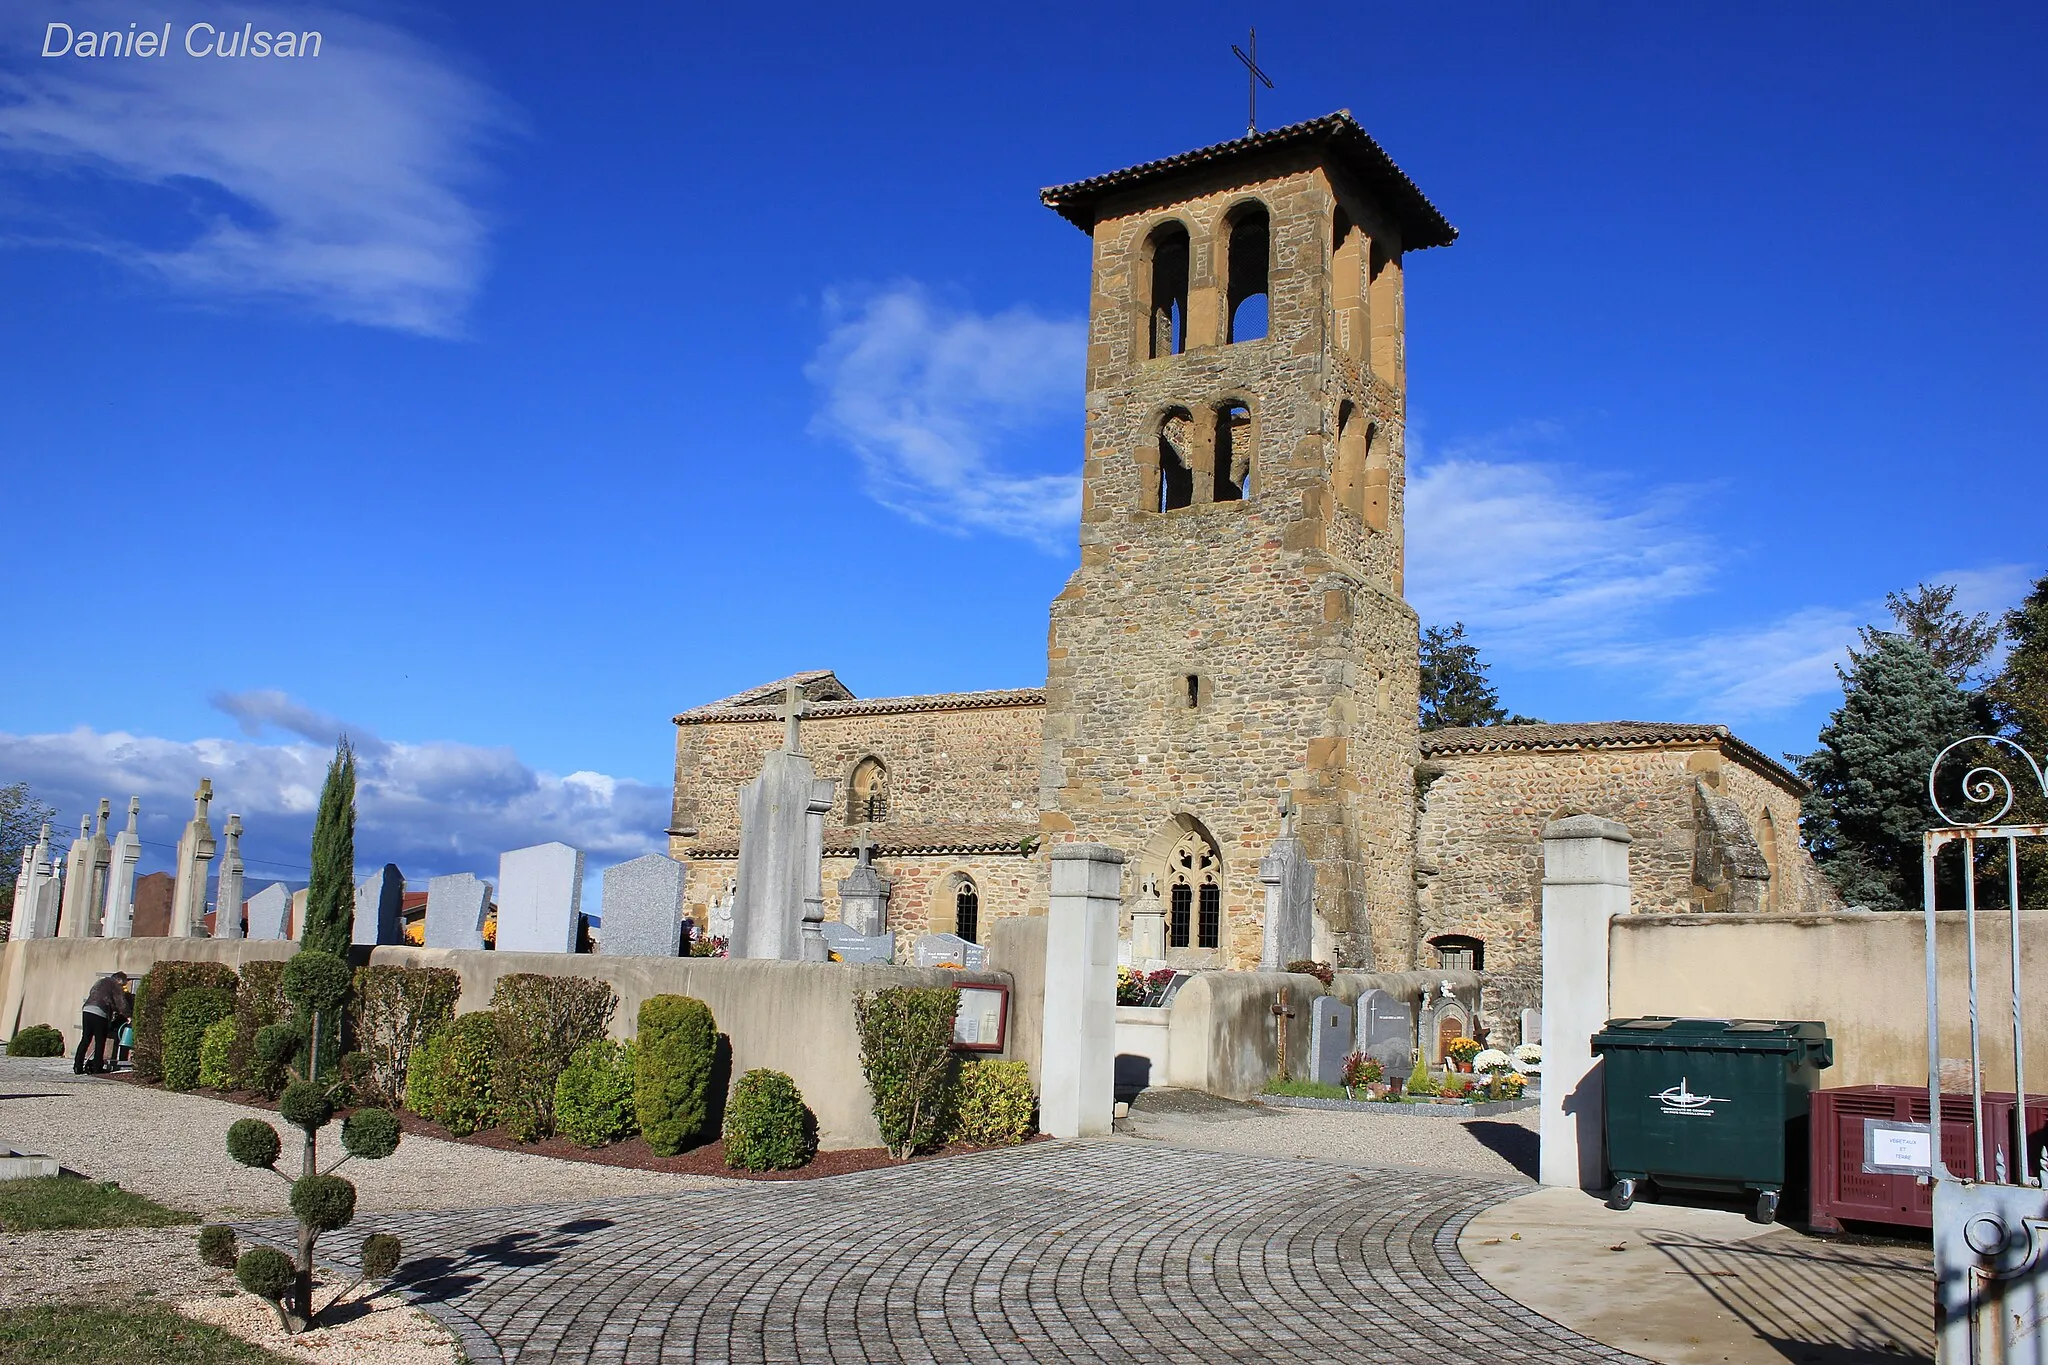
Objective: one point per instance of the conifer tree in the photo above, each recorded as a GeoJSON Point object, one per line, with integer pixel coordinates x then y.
{"type": "Point", "coordinates": [2018, 701]}
{"type": "Point", "coordinates": [1869, 804]}
{"type": "Point", "coordinates": [330, 895]}
{"type": "Point", "coordinates": [1454, 689]}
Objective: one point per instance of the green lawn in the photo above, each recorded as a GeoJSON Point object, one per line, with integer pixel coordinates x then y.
{"type": "Point", "coordinates": [50, 1202]}
{"type": "Point", "coordinates": [1306, 1090]}
{"type": "Point", "coordinates": [78, 1334]}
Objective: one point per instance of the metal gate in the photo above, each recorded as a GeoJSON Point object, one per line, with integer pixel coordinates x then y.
{"type": "Point", "coordinates": [1990, 1220]}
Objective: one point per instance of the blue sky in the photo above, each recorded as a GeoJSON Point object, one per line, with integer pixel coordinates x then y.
{"type": "Point", "coordinates": [511, 377]}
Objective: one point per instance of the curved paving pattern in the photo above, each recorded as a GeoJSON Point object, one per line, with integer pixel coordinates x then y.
{"type": "Point", "coordinates": [1111, 1252]}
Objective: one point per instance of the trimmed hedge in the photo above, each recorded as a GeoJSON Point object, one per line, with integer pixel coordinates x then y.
{"type": "Point", "coordinates": [153, 997]}
{"type": "Point", "coordinates": [449, 1080]}
{"type": "Point", "coordinates": [542, 1020]}
{"type": "Point", "coordinates": [678, 1049]}
{"type": "Point", "coordinates": [594, 1095]}
{"type": "Point", "coordinates": [214, 1046]}
{"type": "Point", "coordinates": [193, 1011]}
{"type": "Point", "coordinates": [37, 1040]}
{"type": "Point", "coordinates": [394, 1011]}
{"type": "Point", "coordinates": [906, 1053]}
{"type": "Point", "coordinates": [767, 1125]}
{"type": "Point", "coordinates": [994, 1106]}
{"type": "Point", "coordinates": [258, 1005]}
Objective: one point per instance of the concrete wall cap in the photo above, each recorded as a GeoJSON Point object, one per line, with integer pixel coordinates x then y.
{"type": "Point", "coordinates": [1587, 827]}
{"type": "Point", "coordinates": [1100, 853]}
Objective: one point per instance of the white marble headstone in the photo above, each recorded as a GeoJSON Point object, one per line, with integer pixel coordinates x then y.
{"type": "Point", "coordinates": [540, 899]}
{"type": "Point", "coordinates": [456, 906]}
{"type": "Point", "coordinates": [643, 908]}
{"type": "Point", "coordinates": [269, 911]}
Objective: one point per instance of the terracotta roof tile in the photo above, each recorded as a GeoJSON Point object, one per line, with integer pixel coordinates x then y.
{"type": "Point", "coordinates": [1606, 734]}
{"type": "Point", "coordinates": [720, 712]}
{"type": "Point", "coordinates": [1421, 224]}
{"type": "Point", "coordinates": [902, 840]}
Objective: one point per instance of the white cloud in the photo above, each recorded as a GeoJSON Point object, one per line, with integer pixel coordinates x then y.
{"type": "Point", "coordinates": [338, 181]}
{"type": "Point", "coordinates": [1741, 674]}
{"type": "Point", "coordinates": [431, 808]}
{"type": "Point", "coordinates": [931, 398]}
{"type": "Point", "coordinates": [1539, 559]}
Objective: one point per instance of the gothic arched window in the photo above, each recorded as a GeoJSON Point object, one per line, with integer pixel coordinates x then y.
{"type": "Point", "coordinates": [1165, 272]}
{"type": "Point", "coordinates": [867, 795]}
{"type": "Point", "coordinates": [967, 911]}
{"type": "Point", "coordinates": [1176, 461]}
{"type": "Point", "coordinates": [1233, 451]}
{"type": "Point", "coordinates": [1195, 895]}
{"type": "Point", "coordinates": [1247, 254]}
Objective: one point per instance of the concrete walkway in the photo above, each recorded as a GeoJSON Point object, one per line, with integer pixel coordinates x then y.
{"type": "Point", "coordinates": [1700, 1286]}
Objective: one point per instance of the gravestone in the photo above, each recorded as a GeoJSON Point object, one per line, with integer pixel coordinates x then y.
{"type": "Point", "coordinates": [37, 905]}
{"type": "Point", "coordinates": [301, 898]}
{"type": "Point", "coordinates": [851, 946]}
{"type": "Point", "coordinates": [779, 908]}
{"type": "Point", "coordinates": [1329, 1039]}
{"type": "Point", "coordinates": [151, 909]}
{"type": "Point", "coordinates": [540, 897]}
{"type": "Point", "coordinates": [18, 917]}
{"type": "Point", "coordinates": [1386, 1033]}
{"type": "Point", "coordinates": [933, 949]}
{"type": "Point", "coordinates": [1148, 926]}
{"type": "Point", "coordinates": [269, 912]}
{"type": "Point", "coordinates": [1532, 1022]}
{"type": "Point", "coordinates": [643, 908]}
{"type": "Point", "coordinates": [864, 896]}
{"type": "Point", "coordinates": [1290, 881]}
{"type": "Point", "coordinates": [380, 908]}
{"type": "Point", "coordinates": [456, 906]}
{"type": "Point", "coordinates": [119, 920]}
{"type": "Point", "coordinates": [85, 879]}
{"type": "Point", "coordinates": [227, 900]}
{"type": "Point", "coordinates": [195, 851]}
{"type": "Point", "coordinates": [1448, 1022]}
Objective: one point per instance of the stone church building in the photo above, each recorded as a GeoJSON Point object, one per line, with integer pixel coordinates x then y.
{"type": "Point", "coordinates": [1236, 634]}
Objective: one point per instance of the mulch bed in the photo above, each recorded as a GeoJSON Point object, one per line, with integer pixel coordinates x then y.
{"type": "Point", "coordinates": [633, 1153]}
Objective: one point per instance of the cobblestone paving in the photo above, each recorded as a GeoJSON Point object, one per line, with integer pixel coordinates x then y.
{"type": "Point", "coordinates": [1111, 1252]}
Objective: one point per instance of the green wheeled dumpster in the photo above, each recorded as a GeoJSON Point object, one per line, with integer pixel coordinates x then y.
{"type": "Point", "coordinates": [1717, 1105]}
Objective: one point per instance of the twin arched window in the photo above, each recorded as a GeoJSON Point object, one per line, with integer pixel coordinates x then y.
{"type": "Point", "coordinates": [1194, 877]}
{"type": "Point", "coordinates": [1214, 457]}
{"type": "Point", "coordinates": [1164, 279]}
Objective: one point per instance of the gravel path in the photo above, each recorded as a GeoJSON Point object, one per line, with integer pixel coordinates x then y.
{"type": "Point", "coordinates": [106, 1265]}
{"type": "Point", "coordinates": [1502, 1147]}
{"type": "Point", "coordinates": [173, 1148]}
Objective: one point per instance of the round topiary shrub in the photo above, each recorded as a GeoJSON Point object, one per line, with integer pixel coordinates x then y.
{"type": "Point", "coordinates": [37, 1040]}
{"type": "Point", "coordinates": [265, 1272]}
{"type": "Point", "coordinates": [767, 1126]}
{"type": "Point", "coordinates": [677, 1047]}
{"type": "Point", "coordinates": [217, 1245]}
{"type": "Point", "coordinates": [216, 1046]}
{"type": "Point", "coordinates": [193, 1011]}
{"type": "Point", "coordinates": [306, 1104]}
{"type": "Point", "coordinates": [314, 980]}
{"type": "Point", "coordinates": [323, 1202]}
{"type": "Point", "coordinates": [371, 1134]}
{"type": "Point", "coordinates": [594, 1094]}
{"type": "Point", "coordinates": [254, 1143]}
{"type": "Point", "coordinates": [380, 1256]}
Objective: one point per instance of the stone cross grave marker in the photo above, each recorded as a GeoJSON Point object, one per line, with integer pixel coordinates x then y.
{"type": "Point", "coordinates": [1329, 1039]}
{"type": "Point", "coordinates": [227, 900]}
{"type": "Point", "coordinates": [643, 908]}
{"type": "Point", "coordinates": [933, 949]}
{"type": "Point", "coordinates": [456, 906]}
{"type": "Point", "coordinates": [863, 897]}
{"type": "Point", "coordinates": [268, 911]}
{"type": "Point", "coordinates": [540, 899]}
{"type": "Point", "coordinates": [1386, 1033]}
{"type": "Point", "coordinates": [853, 946]}
{"type": "Point", "coordinates": [125, 854]}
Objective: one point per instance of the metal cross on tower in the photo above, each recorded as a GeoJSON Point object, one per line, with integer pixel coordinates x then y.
{"type": "Point", "coordinates": [1253, 79]}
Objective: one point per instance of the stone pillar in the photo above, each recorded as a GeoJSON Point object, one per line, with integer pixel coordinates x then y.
{"type": "Point", "coordinates": [227, 896]}
{"type": "Point", "coordinates": [1077, 1066]}
{"type": "Point", "coordinates": [1585, 885]}
{"type": "Point", "coordinates": [119, 920]}
{"type": "Point", "coordinates": [813, 947]}
{"type": "Point", "coordinates": [195, 851]}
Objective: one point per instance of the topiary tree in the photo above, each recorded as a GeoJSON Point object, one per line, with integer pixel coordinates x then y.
{"type": "Point", "coordinates": [315, 985]}
{"type": "Point", "coordinates": [594, 1094]}
{"type": "Point", "coordinates": [906, 1053]}
{"type": "Point", "coordinates": [768, 1127]}
{"type": "Point", "coordinates": [676, 1052]}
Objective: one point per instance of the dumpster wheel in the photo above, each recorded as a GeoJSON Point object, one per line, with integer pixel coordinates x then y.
{"type": "Point", "coordinates": [1766, 1206]}
{"type": "Point", "coordinates": [1624, 1194]}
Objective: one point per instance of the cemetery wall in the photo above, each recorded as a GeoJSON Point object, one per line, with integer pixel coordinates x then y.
{"type": "Point", "coordinates": [794, 1017]}
{"type": "Point", "coordinates": [44, 980]}
{"type": "Point", "coordinates": [1016, 948]}
{"type": "Point", "coordinates": [1860, 974]}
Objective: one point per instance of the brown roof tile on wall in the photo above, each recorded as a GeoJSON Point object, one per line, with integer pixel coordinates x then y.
{"type": "Point", "coordinates": [895, 840]}
{"type": "Point", "coordinates": [720, 712]}
{"type": "Point", "coordinates": [1605, 734]}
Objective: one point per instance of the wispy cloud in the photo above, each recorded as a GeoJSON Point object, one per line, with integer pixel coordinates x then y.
{"type": "Point", "coordinates": [341, 182]}
{"type": "Point", "coordinates": [937, 403]}
{"type": "Point", "coordinates": [429, 807]}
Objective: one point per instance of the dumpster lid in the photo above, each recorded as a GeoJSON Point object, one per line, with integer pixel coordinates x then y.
{"type": "Point", "coordinates": [1739, 1035]}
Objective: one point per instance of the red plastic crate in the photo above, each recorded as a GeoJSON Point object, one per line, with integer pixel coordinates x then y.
{"type": "Point", "coordinates": [1840, 1188]}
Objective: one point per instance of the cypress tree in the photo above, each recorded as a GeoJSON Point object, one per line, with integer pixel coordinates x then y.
{"type": "Point", "coordinates": [331, 894]}
{"type": "Point", "coordinates": [2018, 698]}
{"type": "Point", "coordinates": [1869, 804]}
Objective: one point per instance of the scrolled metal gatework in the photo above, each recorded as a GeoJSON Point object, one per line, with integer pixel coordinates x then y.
{"type": "Point", "coordinates": [1982, 784]}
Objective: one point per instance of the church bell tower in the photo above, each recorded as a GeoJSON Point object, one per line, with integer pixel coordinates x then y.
{"type": "Point", "coordinates": [1236, 632]}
